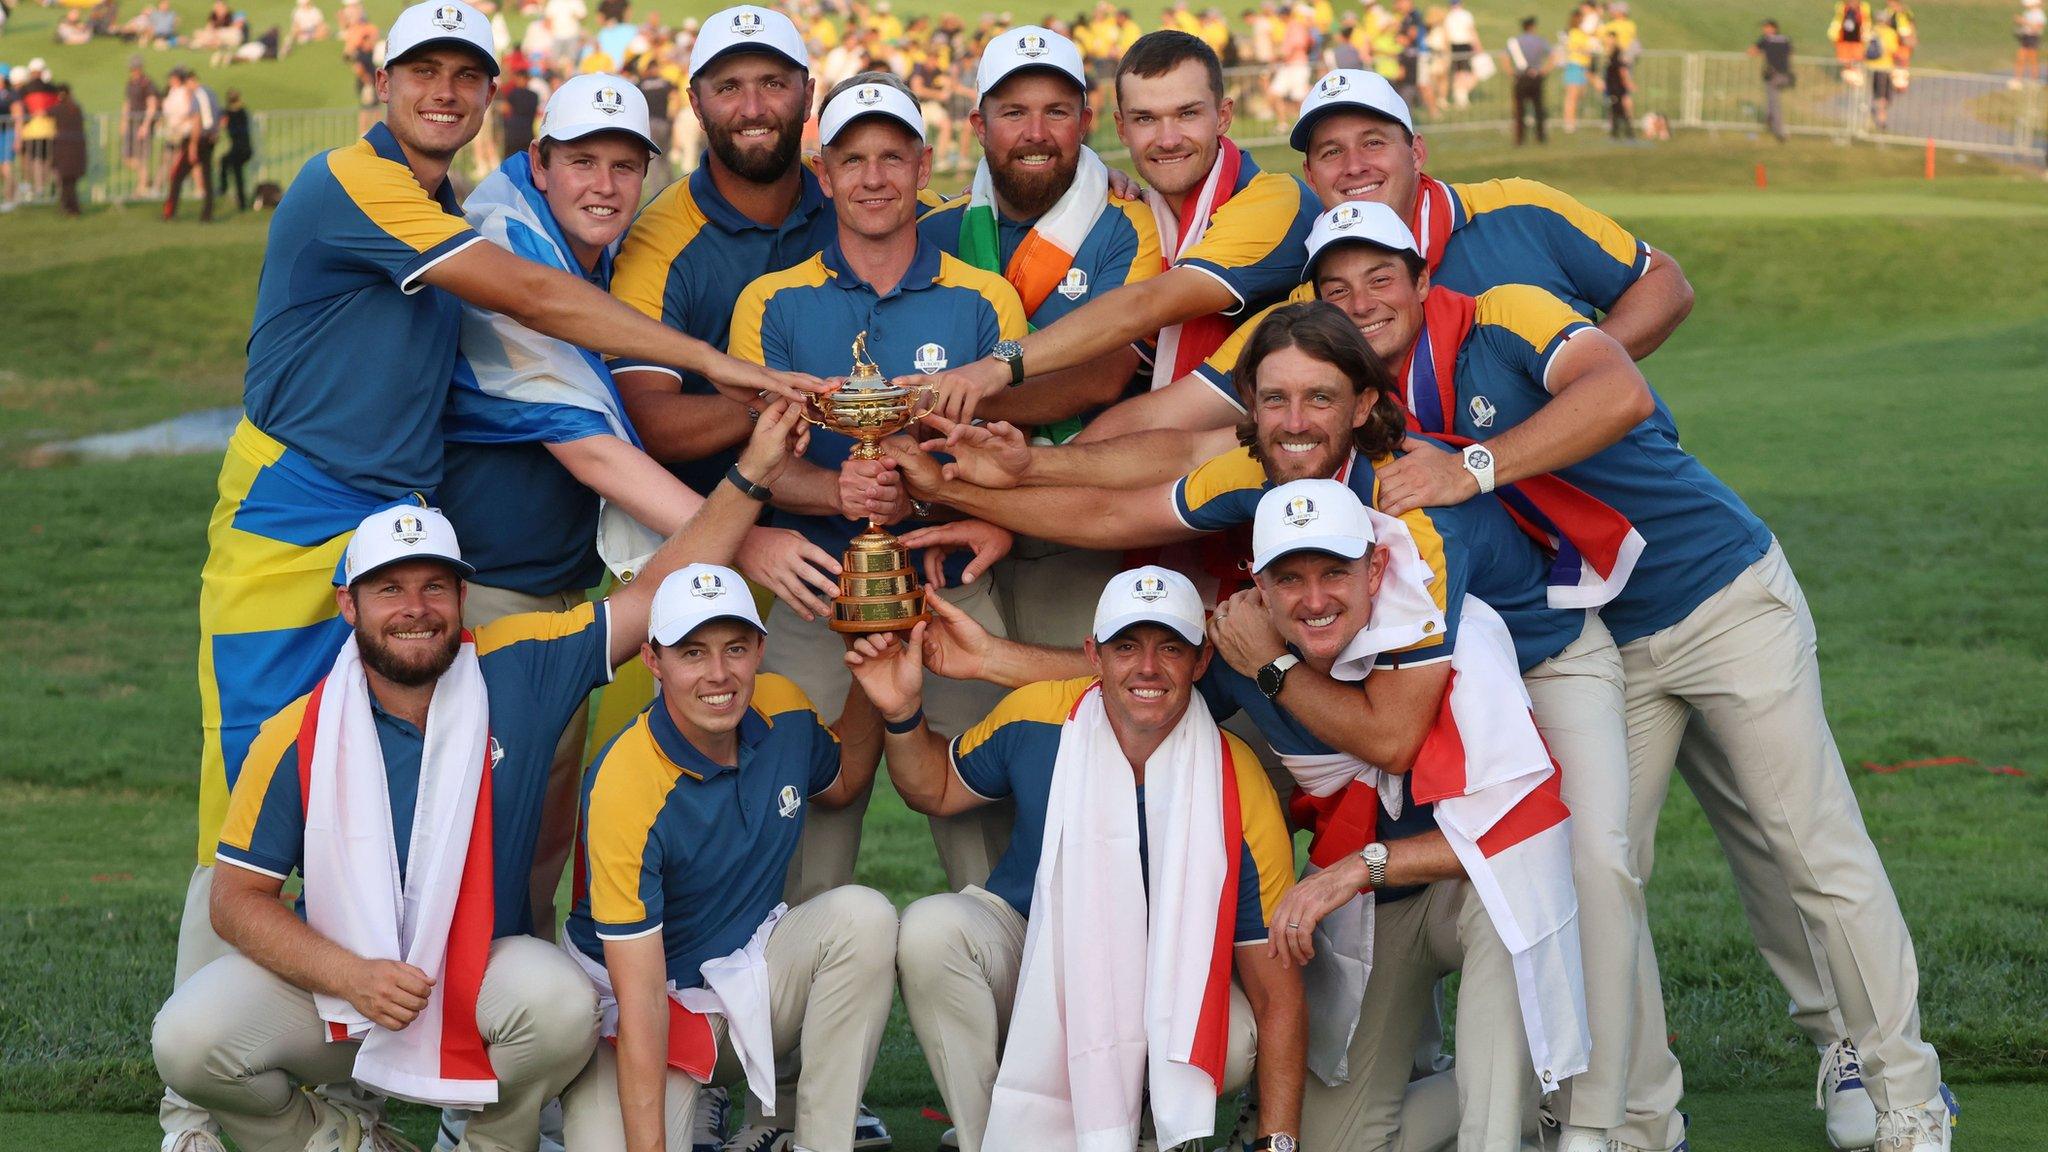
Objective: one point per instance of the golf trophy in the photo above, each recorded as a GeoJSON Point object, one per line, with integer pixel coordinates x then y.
{"type": "Point", "coordinates": [878, 589]}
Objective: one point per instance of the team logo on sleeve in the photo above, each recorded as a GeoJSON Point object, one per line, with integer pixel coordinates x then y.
{"type": "Point", "coordinates": [787, 801]}
{"type": "Point", "coordinates": [1333, 84]}
{"type": "Point", "coordinates": [746, 23]}
{"type": "Point", "coordinates": [1345, 216]}
{"type": "Point", "coordinates": [447, 17]}
{"type": "Point", "coordinates": [1074, 284]}
{"type": "Point", "coordinates": [868, 96]}
{"type": "Point", "coordinates": [930, 358]}
{"type": "Point", "coordinates": [1032, 45]}
{"type": "Point", "coordinates": [1482, 411]}
{"type": "Point", "coordinates": [608, 101]}
{"type": "Point", "coordinates": [1300, 511]}
{"type": "Point", "coordinates": [408, 529]}
{"type": "Point", "coordinates": [709, 585]}
{"type": "Point", "coordinates": [1149, 588]}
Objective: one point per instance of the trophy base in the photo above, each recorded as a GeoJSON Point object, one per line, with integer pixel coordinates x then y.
{"type": "Point", "coordinates": [878, 589]}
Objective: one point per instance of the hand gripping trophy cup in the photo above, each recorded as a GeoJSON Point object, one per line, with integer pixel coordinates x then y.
{"type": "Point", "coordinates": [878, 589]}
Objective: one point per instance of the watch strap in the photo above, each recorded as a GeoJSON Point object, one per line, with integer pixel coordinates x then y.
{"type": "Point", "coordinates": [739, 480]}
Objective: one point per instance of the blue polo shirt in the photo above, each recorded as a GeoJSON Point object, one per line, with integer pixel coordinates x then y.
{"type": "Point", "coordinates": [1698, 535]}
{"type": "Point", "coordinates": [944, 313]}
{"type": "Point", "coordinates": [538, 667]}
{"type": "Point", "coordinates": [1257, 241]}
{"type": "Point", "coordinates": [1229, 692]}
{"type": "Point", "coordinates": [349, 353]}
{"type": "Point", "coordinates": [698, 851]}
{"type": "Point", "coordinates": [1470, 547]}
{"type": "Point", "coordinates": [1523, 232]}
{"type": "Point", "coordinates": [1122, 248]}
{"type": "Point", "coordinates": [1011, 754]}
{"type": "Point", "coordinates": [687, 259]}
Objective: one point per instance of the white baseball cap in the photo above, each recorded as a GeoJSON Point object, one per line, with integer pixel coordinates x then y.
{"type": "Point", "coordinates": [1358, 221]}
{"type": "Point", "coordinates": [440, 22]}
{"type": "Point", "coordinates": [1349, 88]}
{"type": "Point", "coordinates": [597, 102]}
{"type": "Point", "coordinates": [863, 100]}
{"type": "Point", "coordinates": [1029, 47]}
{"type": "Point", "coordinates": [1149, 595]}
{"type": "Point", "coordinates": [692, 597]}
{"type": "Point", "coordinates": [1309, 516]}
{"type": "Point", "coordinates": [748, 28]}
{"type": "Point", "coordinates": [406, 532]}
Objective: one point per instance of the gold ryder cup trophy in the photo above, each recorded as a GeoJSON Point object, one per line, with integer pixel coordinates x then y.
{"type": "Point", "coordinates": [878, 589]}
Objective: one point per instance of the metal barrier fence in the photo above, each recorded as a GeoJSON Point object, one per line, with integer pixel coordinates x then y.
{"type": "Point", "coordinates": [1721, 91]}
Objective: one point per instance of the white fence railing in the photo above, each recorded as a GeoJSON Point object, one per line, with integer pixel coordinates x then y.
{"type": "Point", "coordinates": [1720, 91]}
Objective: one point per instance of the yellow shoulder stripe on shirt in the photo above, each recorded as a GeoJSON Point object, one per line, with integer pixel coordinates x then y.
{"type": "Point", "coordinates": [632, 786]}
{"type": "Point", "coordinates": [1529, 312]}
{"type": "Point", "coordinates": [930, 203]}
{"type": "Point", "coordinates": [775, 695]}
{"type": "Point", "coordinates": [1265, 829]}
{"type": "Point", "coordinates": [1046, 702]}
{"type": "Point", "coordinates": [509, 630]}
{"type": "Point", "coordinates": [744, 341]}
{"type": "Point", "coordinates": [658, 236]}
{"type": "Point", "coordinates": [273, 742]}
{"type": "Point", "coordinates": [958, 273]}
{"type": "Point", "coordinates": [392, 198]}
{"type": "Point", "coordinates": [1252, 223]}
{"type": "Point", "coordinates": [1485, 197]}
{"type": "Point", "coordinates": [1149, 260]}
{"type": "Point", "coordinates": [1233, 471]}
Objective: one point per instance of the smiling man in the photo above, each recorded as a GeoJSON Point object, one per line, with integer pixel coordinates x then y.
{"type": "Point", "coordinates": [1124, 937]}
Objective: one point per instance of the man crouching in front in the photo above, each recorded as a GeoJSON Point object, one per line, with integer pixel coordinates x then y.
{"type": "Point", "coordinates": [689, 820]}
{"type": "Point", "coordinates": [1099, 960]}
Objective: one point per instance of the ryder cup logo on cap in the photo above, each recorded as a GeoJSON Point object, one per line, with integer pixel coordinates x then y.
{"type": "Point", "coordinates": [1029, 47]}
{"type": "Point", "coordinates": [1357, 222]}
{"type": "Point", "coordinates": [440, 22]}
{"type": "Point", "coordinates": [748, 29]}
{"type": "Point", "coordinates": [863, 100]}
{"type": "Point", "coordinates": [1148, 595]}
{"type": "Point", "coordinates": [391, 535]}
{"type": "Point", "coordinates": [694, 596]}
{"type": "Point", "coordinates": [597, 102]}
{"type": "Point", "coordinates": [1309, 516]}
{"type": "Point", "coordinates": [1349, 88]}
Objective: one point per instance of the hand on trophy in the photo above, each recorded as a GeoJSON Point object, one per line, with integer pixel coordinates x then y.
{"type": "Point", "coordinates": [872, 489]}
{"type": "Point", "coordinates": [790, 566]}
{"type": "Point", "coordinates": [779, 436]}
{"type": "Point", "coordinates": [750, 383]}
{"type": "Point", "coordinates": [890, 671]}
{"type": "Point", "coordinates": [918, 469]}
{"type": "Point", "coordinates": [988, 542]}
{"type": "Point", "coordinates": [994, 455]}
{"type": "Point", "coordinates": [960, 390]}
{"type": "Point", "coordinates": [956, 646]}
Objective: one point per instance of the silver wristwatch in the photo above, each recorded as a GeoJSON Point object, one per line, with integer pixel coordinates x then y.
{"type": "Point", "coordinates": [1375, 856]}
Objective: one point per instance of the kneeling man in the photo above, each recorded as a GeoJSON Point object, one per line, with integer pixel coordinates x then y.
{"type": "Point", "coordinates": [1148, 854]}
{"type": "Point", "coordinates": [690, 818]}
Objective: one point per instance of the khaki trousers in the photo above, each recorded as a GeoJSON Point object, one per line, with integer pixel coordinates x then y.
{"type": "Point", "coordinates": [813, 655]}
{"type": "Point", "coordinates": [1734, 689]}
{"type": "Point", "coordinates": [1632, 1084]}
{"type": "Point", "coordinates": [1049, 591]}
{"type": "Point", "coordinates": [198, 946]}
{"type": "Point", "coordinates": [238, 1040]}
{"type": "Point", "coordinates": [958, 956]}
{"type": "Point", "coordinates": [829, 963]}
{"type": "Point", "coordinates": [480, 606]}
{"type": "Point", "coordinates": [1439, 930]}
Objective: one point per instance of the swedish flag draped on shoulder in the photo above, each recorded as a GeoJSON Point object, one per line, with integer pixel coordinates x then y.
{"type": "Point", "coordinates": [514, 385]}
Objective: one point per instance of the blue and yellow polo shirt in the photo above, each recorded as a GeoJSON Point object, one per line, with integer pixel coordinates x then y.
{"type": "Point", "coordinates": [537, 668]}
{"type": "Point", "coordinates": [698, 851]}
{"type": "Point", "coordinates": [1219, 370]}
{"type": "Point", "coordinates": [1257, 241]}
{"type": "Point", "coordinates": [685, 262]}
{"type": "Point", "coordinates": [1011, 754]}
{"type": "Point", "coordinates": [349, 353]}
{"type": "Point", "coordinates": [1698, 535]}
{"type": "Point", "coordinates": [1122, 248]}
{"type": "Point", "coordinates": [1470, 547]}
{"type": "Point", "coordinates": [944, 313]}
{"type": "Point", "coordinates": [1523, 232]}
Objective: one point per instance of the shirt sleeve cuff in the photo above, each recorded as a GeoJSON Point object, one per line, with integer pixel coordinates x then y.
{"type": "Point", "coordinates": [635, 930]}
{"type": "Point", "coordinates": [1224, 277]}
{"type": "Point", "coordinates": [1224, 384]}
{"type": "Point", "coordinates": [409, 282]}
{"type": "Point", "coordinates": [269, 866]}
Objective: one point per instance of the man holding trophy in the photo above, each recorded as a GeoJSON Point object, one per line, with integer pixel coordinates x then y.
{"type": "Point", "coordinates": [909, 308]}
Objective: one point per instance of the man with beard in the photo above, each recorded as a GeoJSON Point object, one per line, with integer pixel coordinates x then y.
{"type": "Point", "coordinates": [1232, 236]}
{"type": "Point", "coordinates": [1120, 941]}
{"type": "Point", "coordinates": [406, 788]}
{"type": "Point", "coordinates": [350, 353]}
{"type": "Point", "coordinates": [1715, 639]}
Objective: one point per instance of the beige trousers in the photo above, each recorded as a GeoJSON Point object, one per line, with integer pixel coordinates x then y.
{"type": "Point", "coordinates": [1049, 590]}
{"type": "Point", "coordinates": [1738, 682]}
{"type": "Point", "coordinates": [238, 1040]}
{"type": "Point", "coordinates": [1632, 1084]}
{"type": "Point", "coordinates": [813, 655]}
{"type": "Point", "coordinates": [829, 962]}
{"type": "Point", "coordinates": [481, 606]}
{"type": "Point", "coordinates": [958, 955]}
{"type": "Point", "coordinates": [1442, 929]}
{"type": "Point", "coordinates": [198, 946]}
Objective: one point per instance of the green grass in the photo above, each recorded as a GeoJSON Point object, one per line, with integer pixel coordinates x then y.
{"type": "Point", "coordinates": [1863, 364]}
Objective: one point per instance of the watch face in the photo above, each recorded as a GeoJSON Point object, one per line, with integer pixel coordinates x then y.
{"type": "Point", "coordinates": [1008, 350]}
{"type": "Point", "coordinates": [1282, 1142]}
{"type": "Point", "coordinates": [1478, 457]}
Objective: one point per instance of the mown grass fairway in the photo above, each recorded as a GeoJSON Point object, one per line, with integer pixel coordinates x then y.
{"type": "Point", "coordinates": [1864, 365]}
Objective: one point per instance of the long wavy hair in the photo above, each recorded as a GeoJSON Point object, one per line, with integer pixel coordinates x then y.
{"type": "Point", "coordinates": [1323, 333]}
